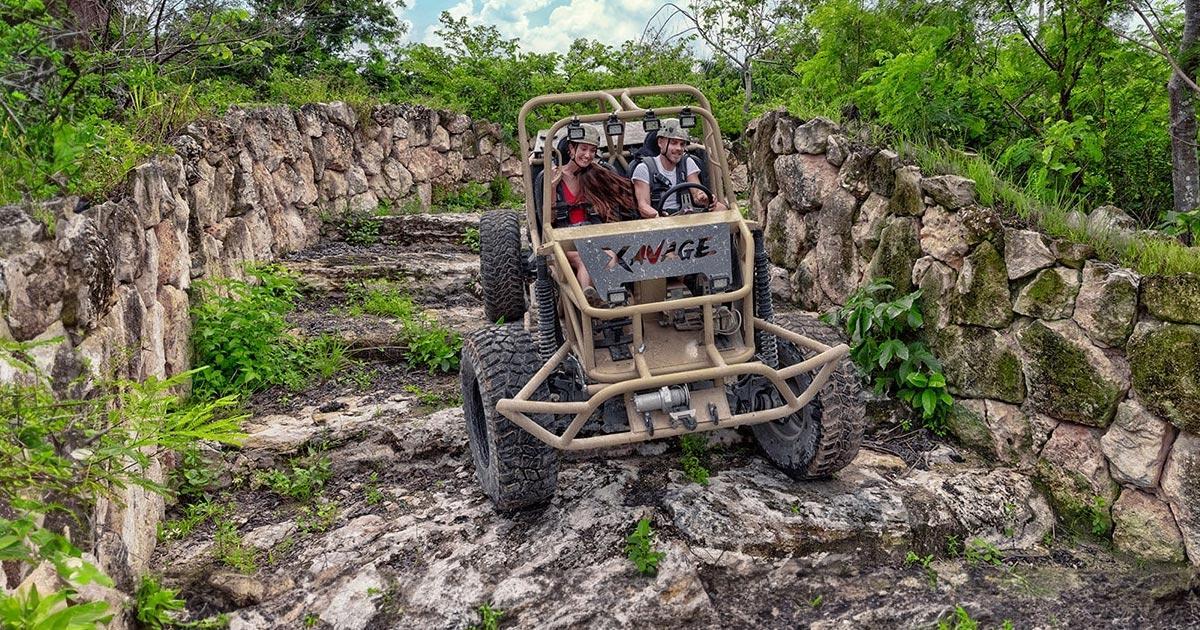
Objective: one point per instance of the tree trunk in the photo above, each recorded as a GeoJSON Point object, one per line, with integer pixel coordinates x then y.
{"type": "Point", "coordinates": [1185, 170]}
{"type": "Point", "coordinates": [748, 83]}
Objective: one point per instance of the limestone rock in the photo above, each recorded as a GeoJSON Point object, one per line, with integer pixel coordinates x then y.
{"type": "Point", "coordinates": [881, 177]}
{"type": "Point", "coordinates": [17, 229]}
{"type": "Point", "coordinates": [1144, 527]}
{"type": "Point", "coordinates": [786, 234]}
{"type": "Point", "coordinates": [176, 326]}
{"type": "Point", "coordinates": [980, 363]}
{"type": "Point", "coordinates": [838, 147]}
{"type": "Point", "coordinates": [1173, 298]}
{"type": "Point", "coordinates": [1136, 445]}
{"type": "Point", "coordinates": [944, 237]}
{"type": "Point", "coordinates": [967, 421]}
{"type": "Point", "coordinates": [869, 224]}
{"type": "Point", "coordinates": [1025, 252]}
{"type": "Point", "coordinates": [981, 296]}
{"type": "Point", "coordinates": [834, 246]}
{"type": "Point", "coordinates": [89, 277]}
{"type": "Point", "coordinates": [762, 159]}
{"type": "Point", "coordinates": [906, 198]}
{"type": "Point", "coordinates": [1166, 372]}
{"type": "Point", "coordinates": [813, 136]}
{"type": "Point", "coordinates": [951, 191]}
{"type": "Point", "coordinates": [1073, 255]}
{"type": "Point", "coordinates": [1073, 470]}
{"type": "Point", "coordinates": [1107, 303]}
{"type": "Point", "coordinates": [852, 176]}
{"type": "Point", "coordinates": [242, 590]}
{"type": "Point", "coordinates": [1049, 295]}
{"type": "Point", "coordinates": [1069, 378]}
{"type": "Point", "coordinates": [781, 141]}
{"type": "Point", "coordinates": [806, 180]}
{"type": "Point", "coordinates": [898, 250]}
{"type": "Point", "coordinates": [936, 281]}
{"type": "Point", "coordinates": [1180, 484]}
{"type": "Point", "coordinates": [34, 284]}
{"type": "Point", "coordinates": [982, 224]}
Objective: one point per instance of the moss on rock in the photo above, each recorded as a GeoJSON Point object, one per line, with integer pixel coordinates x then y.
{"type": "Point", "coordinates": [980, 363]}
{"type": "Point", "coordinates": [1165, 361]}
{"type": "Point", "coordinates": [899, 248]}
{"type": "Point", "coordinates": [967, 423]}
{"type": "Point", "coordinates": [983, 298]}
{"type": "Point", "coordinates": [1173, 298]}
{"type": "Point", "coordinates": [1050, 295]}
{"type": "Point", "coordinates": [1076, 503]}
{"type": "Point", "coordinates": [1063, 382]}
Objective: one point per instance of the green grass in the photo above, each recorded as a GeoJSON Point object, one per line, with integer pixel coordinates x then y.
{"type": "Point", "coordinates": [1049, 211]}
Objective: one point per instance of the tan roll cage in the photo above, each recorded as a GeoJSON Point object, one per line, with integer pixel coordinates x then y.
{"type": "Point", "coordinates": [712, 364]}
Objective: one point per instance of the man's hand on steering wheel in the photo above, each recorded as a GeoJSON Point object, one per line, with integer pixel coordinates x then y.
{"type": "Point", "coordinates": [678, 188]}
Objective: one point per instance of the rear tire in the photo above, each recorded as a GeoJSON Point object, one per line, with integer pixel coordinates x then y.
{"type": "Point", "coordinates": [501, 274]}
{"type": "Point", "coordinates": [516, 469]}
{"type": "Point", "coordinates": [824, 436]}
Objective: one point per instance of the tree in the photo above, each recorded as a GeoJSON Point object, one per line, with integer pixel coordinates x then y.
{"type": "Point", "coordinates": [742, 32]}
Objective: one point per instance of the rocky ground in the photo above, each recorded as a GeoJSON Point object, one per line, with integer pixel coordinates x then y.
{"type": "Point", "coordinates": [911, 534]}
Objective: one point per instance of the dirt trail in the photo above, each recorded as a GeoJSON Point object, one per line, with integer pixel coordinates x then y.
{"type": "Point", "coordinates": [401, 536]}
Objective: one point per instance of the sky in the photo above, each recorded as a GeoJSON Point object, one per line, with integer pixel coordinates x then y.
{"type": "Point", "coordinates": [540, 25]}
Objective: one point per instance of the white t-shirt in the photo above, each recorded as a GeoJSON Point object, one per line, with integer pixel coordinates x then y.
{"type": "Point", "coordinates": [642, 174]}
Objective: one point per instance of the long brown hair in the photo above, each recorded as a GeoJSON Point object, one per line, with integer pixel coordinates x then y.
{"type": "Point", "coordinates": [607, 191]}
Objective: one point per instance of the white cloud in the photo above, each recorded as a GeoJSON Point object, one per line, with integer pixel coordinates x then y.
{"type": "Point", "coordinates": [606, 21]}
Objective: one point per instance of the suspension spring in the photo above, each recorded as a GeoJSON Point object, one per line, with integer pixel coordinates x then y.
{"type": "Point", "coordinates": [548, 337]}
{"type": "Point", "coordinates": [764, 309]}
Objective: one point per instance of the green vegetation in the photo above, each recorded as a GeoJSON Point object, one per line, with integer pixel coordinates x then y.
{"type": "Point", "coordinates": [306, 479]}
{"type": "Point", "coordinates": [489, 618]}
{"type": "Point", "coordinates": [240, 331]}
{"type": "Point", "coordinates": [360, 228]}
{"type": "Point", "coordinates": [317, 517]}
{"type": "Point", "coordinates": [427, 343]}
{"type": "Point", "coordinates": [154, 605]}
{"type": "Point", "coordinates": [232, 551]}
{"type": "Point", "coordinates": [925, 562]}
{"type": "Point", "coordinates": [471, 239]}
{"type": "Point", "coordinates": [960, 620]}
{"type": "Point", "coordinates": [979, 550]}
{"type": "Point", "coordinates": [639, 549]}
{"type": "Point", "coordinates": [59, 455]}
{"type": "Point", "coordinates": [882, 343]}
{"type": "Point", "coordinates": [194, 515]}
{"type": "Point", "coordinates": [695, 457]}
{"type": "Point", "coordinates": [434, 399]}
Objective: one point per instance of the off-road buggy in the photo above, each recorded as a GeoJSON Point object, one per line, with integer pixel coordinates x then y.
{"type": "Point", "coordinates": [685, 342]}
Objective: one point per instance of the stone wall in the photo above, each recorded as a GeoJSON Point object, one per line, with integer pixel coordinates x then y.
{"type": "Point", "coordinates": [111, 280]}
{"type": "Point", "coordinates": [1080, 372]}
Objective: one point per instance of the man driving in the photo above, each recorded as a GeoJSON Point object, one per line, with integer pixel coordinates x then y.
{"type": "Point", "coordinates": [673, 165]}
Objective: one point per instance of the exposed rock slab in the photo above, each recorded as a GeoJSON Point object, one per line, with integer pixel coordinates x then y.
{"type": "Point", "coordinates": [1166, 372]}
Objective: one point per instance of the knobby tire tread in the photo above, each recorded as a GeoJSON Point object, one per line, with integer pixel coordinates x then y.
{"type": "Point", "coordinates": [519, 470]}
{"type": "Point", "coordinates": [500, 273]}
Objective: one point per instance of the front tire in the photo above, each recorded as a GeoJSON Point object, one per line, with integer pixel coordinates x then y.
{"type": "Point", "coordinates": [824, 436]}
{"type": "Point", "coordinates": [515, 469]}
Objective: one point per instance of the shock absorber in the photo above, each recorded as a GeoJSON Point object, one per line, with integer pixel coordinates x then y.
{"type": "Point", "coordinates": [764, 309]}
{"type": "Point", "coordinates": [548, 338]}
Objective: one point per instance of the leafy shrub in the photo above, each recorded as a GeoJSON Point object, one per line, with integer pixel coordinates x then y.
{"type": "Point", "coordinates": [882, 343]}
{"type": "Point", "coordinates": [489, 618]}
{"type": "Point", "coordinates": [61, 454]}
{"type": "Point", "coordinates": [639, 550]}
{"type": "Point", "coordinates": [428, 344]}
{"type": "Point", "coordinates": [380, 299]}
{"type": "Point", "coordinates": [466, 198]}
{"type": "Point", "coordinates": [232, 551]}
{"type": "Point", "coordinates": [238, 332]}
{"type": "Point", "coordinates": [503, 195]}
{"type": "Point", "coordinates": [471, 239]}
{"type": "Point", "coordinates": [307, 478]}
{"type": "Point", "coordinates": [192, 477]}
{"type": "Point", "coordinates": [361, 228]}
{"type": "Point", "coordinates": [154, 605]}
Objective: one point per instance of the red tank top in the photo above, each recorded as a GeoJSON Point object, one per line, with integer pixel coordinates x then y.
{"type": "Point", "coordinates": [575, 213]}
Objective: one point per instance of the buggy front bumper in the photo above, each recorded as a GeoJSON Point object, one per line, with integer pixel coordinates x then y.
{"type": "Point", "coordinates": [518, 408]}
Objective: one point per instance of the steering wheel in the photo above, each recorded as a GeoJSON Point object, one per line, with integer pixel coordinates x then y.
{"type": "Point", "coordinates": [680, 188]}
